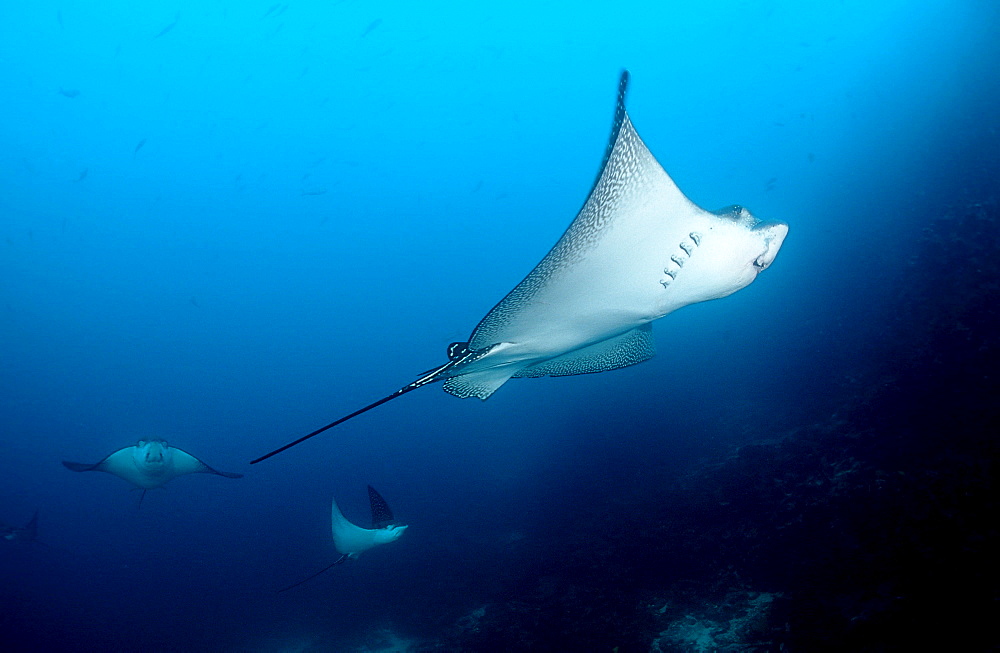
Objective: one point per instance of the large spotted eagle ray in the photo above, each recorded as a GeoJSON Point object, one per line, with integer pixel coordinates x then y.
{"type": "Point", "coordinates": [638, 250]}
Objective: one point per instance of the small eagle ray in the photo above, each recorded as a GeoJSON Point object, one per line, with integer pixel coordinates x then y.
{"type": "Point", "coordinates": [350, 541]}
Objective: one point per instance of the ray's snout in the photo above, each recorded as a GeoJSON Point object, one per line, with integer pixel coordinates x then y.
{"type": "Point", "coordinates": [773, 235]}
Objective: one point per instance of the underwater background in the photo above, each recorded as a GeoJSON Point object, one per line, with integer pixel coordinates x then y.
{"type": "Point", "coordinates": [226, 224]}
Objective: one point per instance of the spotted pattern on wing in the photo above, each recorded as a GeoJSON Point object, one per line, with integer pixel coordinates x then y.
{"type": "Point", "coordinates": [381, 514]}
{"type": "Point", "coordinates": [624, 176]}
{"type": "Point", "coordinates": [630, 348]}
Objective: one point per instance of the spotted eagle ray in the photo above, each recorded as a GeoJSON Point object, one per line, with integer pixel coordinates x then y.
{"type": "Point", "coordinates": [638, 250]}
{"type": "Point", "coordinates": [149, 464]}
{"type": "Point", "coordinates": [351, 541]}
{"type": "Point", "coordinates": [26, 533]}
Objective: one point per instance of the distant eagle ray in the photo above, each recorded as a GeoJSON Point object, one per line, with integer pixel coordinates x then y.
{"type": "Point", "coordinates": [638, 250]}
{"type": "Point", "coordinates": [351, 541]}
{"type": "Point", "coordinates": [26, 533]}
{"type": "Point", "coordinates": [148, 464]}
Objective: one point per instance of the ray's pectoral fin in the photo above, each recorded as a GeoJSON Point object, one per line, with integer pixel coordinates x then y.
{"type": "Point", "coordinates": [81, 467]}
{"type": "Point", "coordinates": [630, 348]}
{"type": "Point", "coordinates": [480, 384]}
{"type": "Point", "coordinates": [381, 513]}
{"type": "Point", "coordinates": [107, 464]}
{"type": "Point", "coordinates": [212, 470]}
{"type": "Point", "coordinates": [185, 463]}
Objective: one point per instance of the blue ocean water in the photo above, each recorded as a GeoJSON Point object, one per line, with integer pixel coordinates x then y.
{"type": "Point", "coordinates": [227, 224]}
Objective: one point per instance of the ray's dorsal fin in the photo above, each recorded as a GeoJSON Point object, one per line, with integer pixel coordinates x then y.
{"type": "Point", "coordinates": [381, 514]}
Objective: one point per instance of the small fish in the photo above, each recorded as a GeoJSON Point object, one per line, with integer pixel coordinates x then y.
{"type": "Point", "coordinates": [169, 27]}
{"type": "Point", "coordinates": [371, 27]}
{"type": "Point", "coordinates": [138, 147]}
{"type": "Point", "coordinates": [275, 10]}
{"type": "Point", "coordinates": [83, 174]}
{"type": "Point", "coordinates": [68, 92]}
